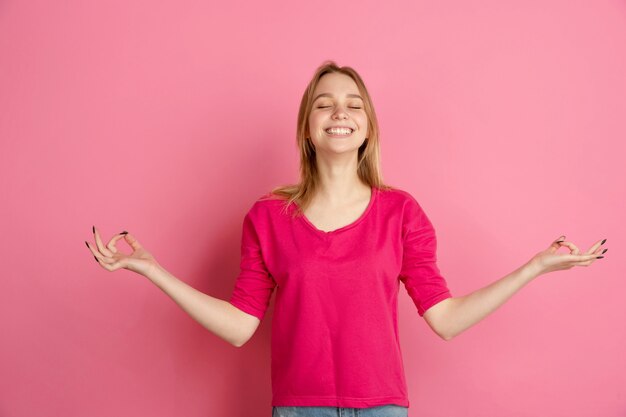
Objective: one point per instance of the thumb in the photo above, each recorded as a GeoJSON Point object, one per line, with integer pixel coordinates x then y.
{"type": "Point", "coordinates": [557, 243]}
{"type": "Point", "coordinates": [134, 243]}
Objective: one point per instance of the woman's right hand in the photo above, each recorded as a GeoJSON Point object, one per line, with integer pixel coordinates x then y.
{"type": "Point", "coordinates": [111, 259]}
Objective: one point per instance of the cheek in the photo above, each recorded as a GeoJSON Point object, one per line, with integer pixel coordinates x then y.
{"type": "Point", "coordinates": [315, 123]}
{"type": "Point", "coordinates": [363, 122]}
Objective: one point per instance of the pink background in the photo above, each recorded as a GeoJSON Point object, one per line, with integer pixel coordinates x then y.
{"type": "Point", "coordinates": [168, 119]}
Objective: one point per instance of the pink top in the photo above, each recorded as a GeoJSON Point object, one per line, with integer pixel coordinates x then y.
{"type": "Point", "coordinates": [335, 327]}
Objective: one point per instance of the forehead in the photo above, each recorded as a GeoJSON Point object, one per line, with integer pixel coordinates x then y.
{"type": "Point", "coordinates": [336, 84]}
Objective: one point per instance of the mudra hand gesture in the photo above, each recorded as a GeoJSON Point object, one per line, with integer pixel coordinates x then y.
{"type": "Point", "coordinates": [110, 258]}
{"type": "Point", "coordinates": [548, 260]}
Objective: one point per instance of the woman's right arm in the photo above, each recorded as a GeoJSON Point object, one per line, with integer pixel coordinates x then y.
{"type": "Point", "coordinates": [218, 316]}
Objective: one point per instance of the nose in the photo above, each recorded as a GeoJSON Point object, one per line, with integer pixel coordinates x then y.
{"type": "Point", "coordinates": [340, 113]}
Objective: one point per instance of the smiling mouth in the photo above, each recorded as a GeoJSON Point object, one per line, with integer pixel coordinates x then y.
{"type": "Point", "coordinates": [340, 133]}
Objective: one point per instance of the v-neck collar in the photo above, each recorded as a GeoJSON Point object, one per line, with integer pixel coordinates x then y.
{"type": "Point", "coordinates": [374, 194]}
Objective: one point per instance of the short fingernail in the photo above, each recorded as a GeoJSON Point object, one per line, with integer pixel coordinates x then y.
{"type": "Point", "coordinates": [603, 242]}
{"type": "Point", "coordinates": [599, 257]}
{"type": "Point", "coordinates": [124, 233]}
{"type": "Point", "coordinates": [605, 250]}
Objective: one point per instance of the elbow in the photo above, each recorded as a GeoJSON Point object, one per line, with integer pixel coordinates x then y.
{"type": "Point", "coordinates": [243, 327]}
{"type": "Point", "coordinates": [238, 343]}
{"type": "Point", "coordinates": [439, 319]}
{"type": "Point", "coordinates": [448, 335]}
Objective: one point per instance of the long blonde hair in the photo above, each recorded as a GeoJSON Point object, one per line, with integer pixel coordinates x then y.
{"type": "Point", "coordinates": [368, 168]}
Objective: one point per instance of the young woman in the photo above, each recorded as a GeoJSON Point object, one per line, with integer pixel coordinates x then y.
{"type": "Point", "coordinates": [335, 248]}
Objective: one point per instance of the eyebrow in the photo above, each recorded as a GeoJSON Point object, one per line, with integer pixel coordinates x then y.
{"type": "Point", "coordinates": [330, 95]}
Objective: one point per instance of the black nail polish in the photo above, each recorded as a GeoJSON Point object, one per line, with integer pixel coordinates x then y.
{"type": "Point", "coordinates": [86, 243]}
{"type": "Point", "coordinates": [599, 257]}
{"type": "Point", "coordinates": [95, 258]}
{"type": "Point", "coordinates": [93, 229]}
{"type": "Point", "coordinates": [124, 233]}
{"type": "Point", "coordinates": [603, 242]}
{"type": "Point", "coordinates": [605, 250]}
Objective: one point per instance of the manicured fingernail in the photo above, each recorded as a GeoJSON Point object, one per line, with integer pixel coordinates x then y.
{"type": "Point", "coordinates": [603, 242]}
{"type": "Point", "coordinates": [599, 257]}
{"type": "Point", "coordinates": [93, 229]}
{"type": "Point", "coordinates": [605, 250]}
{"type": "Point", "coordinates": [95, 258]}
{"type": "Point", "coordinates": [124, 233]}
{"type": "Point", "coordinates": [87, 244]}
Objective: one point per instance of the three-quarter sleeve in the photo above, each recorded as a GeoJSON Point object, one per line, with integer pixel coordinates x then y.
{"type": "Point", "coordinates": [254, 285]}
{"type": "Point", "coordinates": [420, 273]}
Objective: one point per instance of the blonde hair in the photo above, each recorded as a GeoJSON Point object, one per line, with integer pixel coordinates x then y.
{"type": "Point", "coordinates": [368, 168]}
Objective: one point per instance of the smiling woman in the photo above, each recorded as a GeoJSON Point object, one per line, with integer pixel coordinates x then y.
{"type": "Point", "coordinates": [337, 135]}
{"type": "Point", "coordinates": [336, 247]}
{"type": "Point", "coordinates": [338, 113]}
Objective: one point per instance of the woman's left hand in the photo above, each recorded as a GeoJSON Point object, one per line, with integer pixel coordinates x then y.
{"type": "Point", "coordinates": [548, 260]}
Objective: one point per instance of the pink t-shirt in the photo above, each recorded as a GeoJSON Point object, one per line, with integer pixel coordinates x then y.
{"type": "Point", "coordinates": [335, 327]}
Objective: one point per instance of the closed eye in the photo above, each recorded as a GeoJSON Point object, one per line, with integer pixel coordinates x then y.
{"type": "Point", "coordinates": [323, 107]}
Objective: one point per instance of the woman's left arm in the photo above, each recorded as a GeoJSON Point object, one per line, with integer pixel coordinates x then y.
{"type": "Point", "coordinates": [454, 315]}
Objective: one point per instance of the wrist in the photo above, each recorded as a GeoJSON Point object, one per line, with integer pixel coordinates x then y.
{"type": "Point", "coordinates": [532, 269]}
{"type": "Point", "coordinates": [154, 270]}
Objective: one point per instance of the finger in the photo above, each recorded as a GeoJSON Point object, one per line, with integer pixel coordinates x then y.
{"type": "Point", "coordinates": [109, 267]}
{"type": "Point", "coordinates": [113, 242]}
{"type": "Point", "coordinates": [573, 258]}
{"type": "Point", "coordinates": [574, 249]}
{"type": "Point", "coordinates": [99, 257]}
{"type": "Point", "coordinates": [134, 243]}
{"type": "Point", "coordinates": [99, 243]}
{"type": "Point", "coordinates": [600, 250]}
{"type": "Point", "coordinates": [596, 246]}
{"type": "Point", "coordinates": [587, 263]}
{"type": "Point", "coordinates": [93, 249]}
{"type": "Point", "coordinates": [556, 244]}
{"type": "Point", "coordinates": [112, 264]}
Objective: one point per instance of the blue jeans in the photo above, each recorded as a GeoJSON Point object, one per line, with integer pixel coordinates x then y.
{"type": "Point", "coordinates": [390, 410]}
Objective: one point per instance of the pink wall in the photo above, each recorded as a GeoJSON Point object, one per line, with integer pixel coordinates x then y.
{"type": "Point", "coordinates": [168, 119]}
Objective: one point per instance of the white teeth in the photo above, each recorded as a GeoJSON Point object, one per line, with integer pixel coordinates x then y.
{"type": "Point", "coordinates": [340, 131]}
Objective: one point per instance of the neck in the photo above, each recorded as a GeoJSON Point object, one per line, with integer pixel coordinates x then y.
{"type": "Point", "coordinates": [339, 181]}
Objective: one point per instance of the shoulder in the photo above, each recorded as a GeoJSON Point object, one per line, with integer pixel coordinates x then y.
{"type": "Point", "coordinates": [402, 203]}
{"type": "Point", "coordinates": [399, 199]}
{"type": "Point", "coordinates": [267, 204]}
